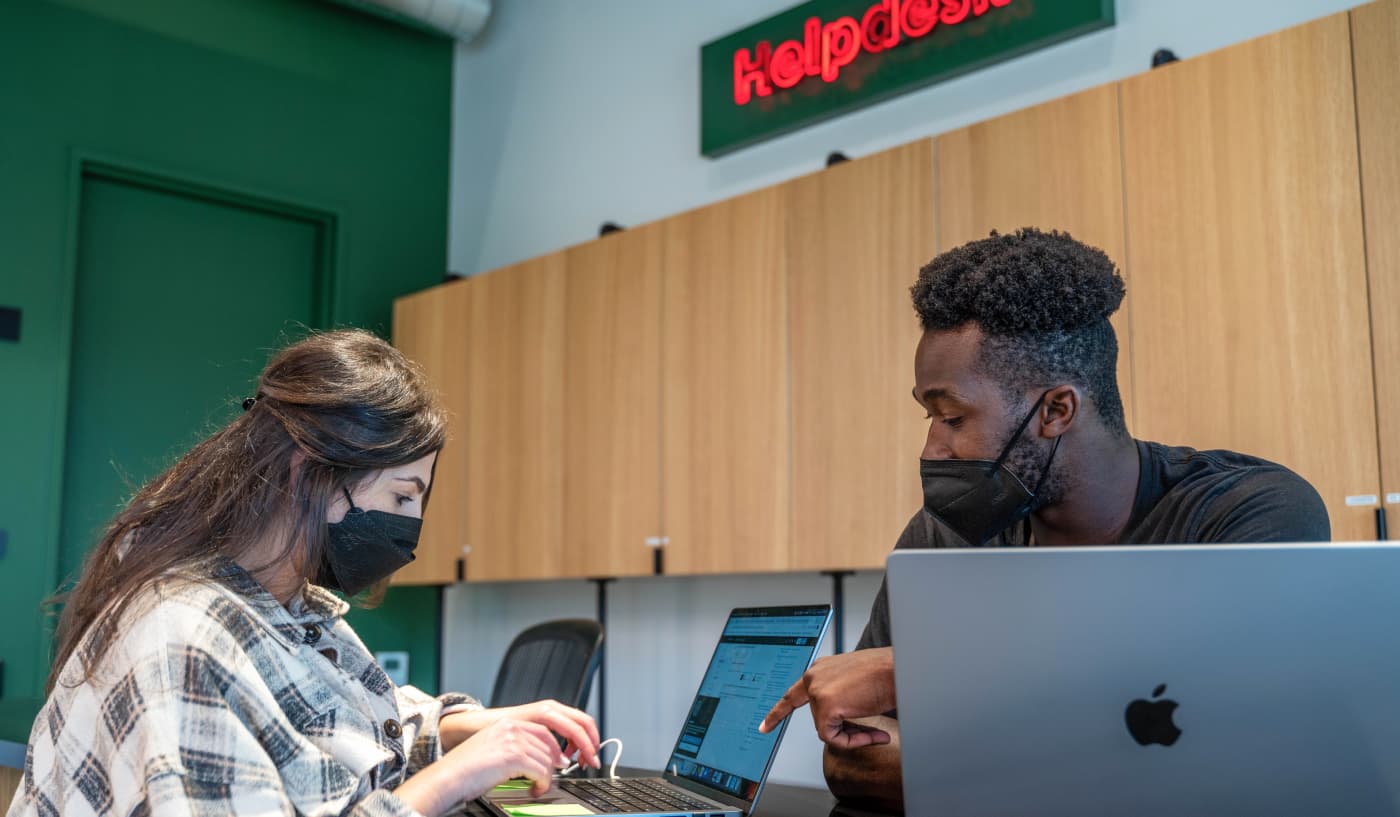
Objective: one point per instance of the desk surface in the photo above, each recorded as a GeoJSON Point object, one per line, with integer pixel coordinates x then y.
{"type": "Point", "coordinates": [778, 800]}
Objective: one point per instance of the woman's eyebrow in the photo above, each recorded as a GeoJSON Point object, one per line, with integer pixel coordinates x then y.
{"type": "Point", "coordinates": [415, 481]}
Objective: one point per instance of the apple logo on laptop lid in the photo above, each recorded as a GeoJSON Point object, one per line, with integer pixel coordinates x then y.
{"type": "Point", "coordinates": [1151, 721]}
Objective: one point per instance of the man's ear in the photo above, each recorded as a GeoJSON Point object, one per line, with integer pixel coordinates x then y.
{"type": "Point", "coordinates": [1059, 411]}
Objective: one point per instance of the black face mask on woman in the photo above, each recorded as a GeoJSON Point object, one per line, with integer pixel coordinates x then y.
{"type": "Point", "coordinates": [978, 499]}
{"type": "Point", "coordinates": [366, 546]}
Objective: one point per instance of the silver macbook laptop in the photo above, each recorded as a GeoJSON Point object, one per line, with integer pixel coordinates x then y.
{"type": "Point", "coordinates": [720, 760]}
{"type": "Point", "coordinates": [1201, 680]}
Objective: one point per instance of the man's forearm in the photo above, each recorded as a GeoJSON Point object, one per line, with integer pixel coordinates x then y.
{"type": "Point", "coordinates": [869, 776]}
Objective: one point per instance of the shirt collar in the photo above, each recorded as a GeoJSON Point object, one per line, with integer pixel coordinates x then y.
{"type": "Point", "coordinates": [313, 605]}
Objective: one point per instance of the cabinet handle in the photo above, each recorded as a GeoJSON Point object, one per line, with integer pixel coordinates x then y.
{"type": "Point", "coordinates": [1381, 533]}
{"type": "Point", "coordinates": [658, 553]}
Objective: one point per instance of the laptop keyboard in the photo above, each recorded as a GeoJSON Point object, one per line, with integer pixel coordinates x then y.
{"type": "Point", "coordinates": [632, 794]}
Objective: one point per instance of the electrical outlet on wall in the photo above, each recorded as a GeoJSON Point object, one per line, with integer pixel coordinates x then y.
{"type": "Point", "coordinates": [395, 665]}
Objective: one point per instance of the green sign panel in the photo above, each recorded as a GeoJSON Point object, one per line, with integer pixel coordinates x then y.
{"type": "Point", "coordinates": [828, 57]}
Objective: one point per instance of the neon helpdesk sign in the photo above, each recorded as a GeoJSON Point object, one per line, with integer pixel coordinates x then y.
{"type": "Point", "coordinates": [829, 57]}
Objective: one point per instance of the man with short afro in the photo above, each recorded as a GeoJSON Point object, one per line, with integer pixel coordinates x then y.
{"type": "Point", "coordinates": [1018, 364]}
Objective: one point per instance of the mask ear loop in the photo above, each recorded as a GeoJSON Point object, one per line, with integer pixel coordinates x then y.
{"type": "Point", "coordinates": [1006, 452]}
{"type": "Point", "coordinates": [1040, 483]}
{"type": "Point", "coordinates": [346, 491]}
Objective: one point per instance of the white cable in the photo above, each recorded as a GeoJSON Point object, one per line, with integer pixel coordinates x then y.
{"type": "Point", "coordinates": [612, 767]}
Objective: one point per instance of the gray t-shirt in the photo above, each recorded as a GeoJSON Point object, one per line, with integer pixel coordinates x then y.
{"type": "Point", "coordinates": [1184, 496]}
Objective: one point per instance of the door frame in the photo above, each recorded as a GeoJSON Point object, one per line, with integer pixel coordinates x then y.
{"type": "Point", "coordinates": [84, 164]}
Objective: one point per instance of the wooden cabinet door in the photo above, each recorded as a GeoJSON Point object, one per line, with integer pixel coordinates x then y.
{"type": "Point", "coordinates": [611, 404]}
{"type": "Point", "coordinates": [430, 328]}
{"type": "Point", "coordinates": [515, 422]}
{"type": "Point", "coordinates": [1250, 324]}
{"type": "Point", "coordinates": [1055, 166]}
{"type": "Point", "coordinates": [725, 427]}
{"type": "Point", "coordinates": [1375, 31]}
{"type": "Point", "coordinates": [857, 235]}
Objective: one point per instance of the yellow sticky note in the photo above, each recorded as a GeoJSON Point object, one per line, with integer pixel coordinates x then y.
{"type": "Point", "coordinates": [547, 810]}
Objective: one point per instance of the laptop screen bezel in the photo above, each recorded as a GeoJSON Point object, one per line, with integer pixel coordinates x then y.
{"type": "Point", "coordinates": [720, 795]}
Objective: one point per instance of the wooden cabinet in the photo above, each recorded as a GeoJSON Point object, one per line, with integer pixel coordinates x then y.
{"type": "Point", "coordinates": [430, 328]}
{"type": "Point", "coordinates": [1054, 166]}
{"type": "Point", "coordinates": [515, 407]}
{"type": "Point", "coordinates": [611, 404]}
{"type": "Point", "coordinates": [857, 235]}
{"type": "Point", "coordinates": [726, 431]}
{"type": "Point", "coordinates": [1375, 30]}
{"type": "Point", "coordinates": [736, 378]}
{"type": "Point", "coordinates": [1250, 325]}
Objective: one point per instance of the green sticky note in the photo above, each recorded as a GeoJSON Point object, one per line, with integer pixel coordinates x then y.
{"type": "Point", "coordinates": [547, 810]}
{"type": "Point", "coordinates": [514, 785]}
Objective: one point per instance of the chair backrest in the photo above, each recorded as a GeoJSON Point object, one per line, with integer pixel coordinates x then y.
{"type": "Point", "coordinates": [555, 659]}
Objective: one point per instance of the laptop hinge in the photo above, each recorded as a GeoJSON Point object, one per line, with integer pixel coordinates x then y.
{"type": "Point", "coordinates": [722, 797]}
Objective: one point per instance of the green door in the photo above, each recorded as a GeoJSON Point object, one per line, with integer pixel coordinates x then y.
{"type": "Point", "coordinates": [179, 297]}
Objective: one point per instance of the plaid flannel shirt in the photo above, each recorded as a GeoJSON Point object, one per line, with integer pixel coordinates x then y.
{"type": "Point", "coordinates": [216, 699]}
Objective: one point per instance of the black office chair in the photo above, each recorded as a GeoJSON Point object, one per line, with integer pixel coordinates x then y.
{"type": "Point", "coordinates": [554, 659]}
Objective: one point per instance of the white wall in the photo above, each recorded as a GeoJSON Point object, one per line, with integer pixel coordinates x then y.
{"type": "Point", "coordinates": [660, 636]}
{"type": "Point", "coordinates": [567, 114]}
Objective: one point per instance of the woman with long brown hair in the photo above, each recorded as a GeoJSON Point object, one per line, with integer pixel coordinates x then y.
{"type": "Point", "coordinates": [202, 666]}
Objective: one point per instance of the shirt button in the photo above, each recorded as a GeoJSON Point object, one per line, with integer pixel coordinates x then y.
{"type": "Point", "coordinates": [392, 729]}
{"type": "Point", "coordinates": [312, 634]}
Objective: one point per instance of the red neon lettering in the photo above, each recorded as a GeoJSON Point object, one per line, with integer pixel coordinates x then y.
{"type": "Point", "coordinates": [954, 11]}
{"type": "Point", "coordinates": [812, 38]}
{"type": "Point", "coordinates": [919, 17]}
{"type": "Point", "coordinates": [751, 70]}
{"type": "Point", "coordinates": [879, 28]}
{"type": "Point", "coordinates": [840, 45]}
{"type": "Point", "coordinates": [786, 68]}
{"type": "Point", "coordinates": [826, 48]}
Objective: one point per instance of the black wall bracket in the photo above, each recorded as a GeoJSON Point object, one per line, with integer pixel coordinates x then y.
{"type": "Point", "coordinates": [9, 323]}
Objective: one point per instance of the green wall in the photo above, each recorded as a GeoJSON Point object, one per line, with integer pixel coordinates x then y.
{"type": "Point", "coordinates": [294, 100]}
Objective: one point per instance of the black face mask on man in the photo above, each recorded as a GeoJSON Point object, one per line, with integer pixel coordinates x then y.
{"type": "Point", "coordinates": [978, 499]}
{"type": "Point", "coordinates": [366, 546]}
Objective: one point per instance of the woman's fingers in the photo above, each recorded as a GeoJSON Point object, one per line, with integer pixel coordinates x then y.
{"type": "Point", "coordinates": [573, 726]}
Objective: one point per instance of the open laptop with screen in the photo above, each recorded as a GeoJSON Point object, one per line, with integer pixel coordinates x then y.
{"type": "Point", "coordinates": [720, 759]}
{"type": "Point", "coordinates": [1191, 679]}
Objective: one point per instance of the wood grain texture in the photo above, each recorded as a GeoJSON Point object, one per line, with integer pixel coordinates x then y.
{"type": "Point", "coordinates": [515, 409]}
{"type": "Point", "coordinates": [1250, 324]}
{"type": "Point", "coordinates": [725, 449]}
{"type": "Point", "coordinates": [1054, 166]}
{"type": "Point", "coordinates": [857, 235]}
{"type": "Point", "coordinates": [612, 404]}
{"type": "Point", "coordinates": [1375, 31]}
{"type": "Point", "coordinates": [10, 781]}
{"type": "Point", "coordinates": [430, 328]}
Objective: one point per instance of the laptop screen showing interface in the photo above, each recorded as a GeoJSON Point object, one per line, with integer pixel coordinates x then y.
{"type": "Point", "coordinates": [762, 652]}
